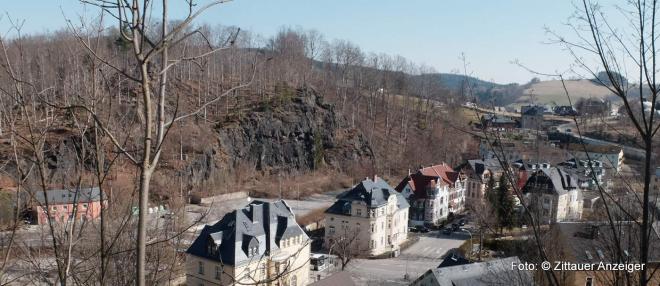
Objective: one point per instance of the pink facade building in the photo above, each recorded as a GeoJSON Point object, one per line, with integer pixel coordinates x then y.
{"type": "Point", "coordinates": [65, 205]}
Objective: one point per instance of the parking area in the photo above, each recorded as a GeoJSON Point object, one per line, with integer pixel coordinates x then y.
{"type": "Point", "coordinates": [424, 254]}
{"type": "Point", "coordinates": [210, 214]}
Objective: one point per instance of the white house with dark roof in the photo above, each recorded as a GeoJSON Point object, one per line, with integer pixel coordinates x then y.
{"type": "Point", "coordinates": [475, 174]}
{"type": "Point", "coordinates": [553, 195]}
{"type": "Point", "coordinates": [371, 218]}
{"type": "Point", "coordinates": [259, 244]}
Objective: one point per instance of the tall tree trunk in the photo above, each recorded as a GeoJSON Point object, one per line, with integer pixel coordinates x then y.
{"type": "Point", "coordinates": [645, 231]}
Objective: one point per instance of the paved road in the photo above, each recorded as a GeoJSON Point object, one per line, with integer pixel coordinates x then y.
{"type": "Point", "coordinates": [516, 114]}
{"type": "Point", "coordinates": [628, 151]}
{"type": "Point", "coordinates": [433, 246]}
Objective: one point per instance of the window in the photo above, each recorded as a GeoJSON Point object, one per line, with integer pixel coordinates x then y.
{"type": "Point", "coordinates": [218, 272]}
{"type": "Point", "coordinates": [66, 208]}
{"type": "Point", "coordinates": [84, 206]}
{"type": "Point", "coordinates": [54, 208]}
{"type": "Point", "coordinates": [200, 267]}
{"type": "Point", "coordinates": [331, 230]}
{"type": "Point", "coordinates": [358, 212]}
{"type": "Point", "coordinates": [373, 227]}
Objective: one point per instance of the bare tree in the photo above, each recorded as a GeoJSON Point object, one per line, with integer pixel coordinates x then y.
{"type": "Point", "coordinates": [621, 53]}
{"type": "Point", "coordinates": [345, 246]}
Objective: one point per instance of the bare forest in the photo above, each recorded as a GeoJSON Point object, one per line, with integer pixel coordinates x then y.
{"type": "Point", "coordinates": [131, 104]}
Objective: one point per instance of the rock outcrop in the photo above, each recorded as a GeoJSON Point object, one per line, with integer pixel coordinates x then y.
{"type": "Point", "coordinates": [294, 131]}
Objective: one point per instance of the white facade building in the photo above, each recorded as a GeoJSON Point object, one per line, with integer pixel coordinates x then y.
{"type": "Point", "coordinates": [370, 219]}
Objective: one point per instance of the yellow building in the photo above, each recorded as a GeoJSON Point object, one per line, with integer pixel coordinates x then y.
{"type": "Point", "coordinates": [260, 244]}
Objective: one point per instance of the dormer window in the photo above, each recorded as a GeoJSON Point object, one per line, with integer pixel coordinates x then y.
{"type": "Point", "coordinates": [210, 249]}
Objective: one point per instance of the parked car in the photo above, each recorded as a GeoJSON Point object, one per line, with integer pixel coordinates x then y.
{"type": "Point", "coordinates": [318, 261]}
{"type": "Point", "coordinates": [412, 229]}
{"type": "Point", "coordinates": [462, 222]}
{"type": "Point", "coordinates": [422, 229]}
{"type": "Point", "coordinates": [455, 227]}
{"type": "Point", "coordinates": [446, 231]}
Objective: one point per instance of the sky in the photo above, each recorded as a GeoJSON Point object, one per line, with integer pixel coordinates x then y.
{"type": "Point", "coordinates": [491, 34]}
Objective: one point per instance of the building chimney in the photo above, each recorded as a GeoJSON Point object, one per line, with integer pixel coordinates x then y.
{"type": "Point", "coordinates": [256, 212]}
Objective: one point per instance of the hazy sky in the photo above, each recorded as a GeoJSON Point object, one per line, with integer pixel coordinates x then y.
{"type": "Point", "coordinates": [435, 32]}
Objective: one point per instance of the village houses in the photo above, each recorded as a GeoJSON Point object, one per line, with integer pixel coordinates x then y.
{"type": "Point", "coordinates": [553, 195]}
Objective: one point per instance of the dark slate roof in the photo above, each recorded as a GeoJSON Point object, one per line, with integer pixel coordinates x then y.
{"type": "Point", "coordinates": [530, 165]}
{"type": "Point", "coordinates": [66, 196]}
{"type": "Point", "coordinates": [494, 272]}
{"type": "Point", "coordinates": [372, 193]}
{"type": "Point", "coordinates": [454, 259]}
{"type": "Point", "coordinates": [551, 180]}
{"type": "Point", "coordinates": [532, 110]}
{"type": "Point", "coordinates": [260, 225]}
{"type": "Point", "coordinates": [479, 166]}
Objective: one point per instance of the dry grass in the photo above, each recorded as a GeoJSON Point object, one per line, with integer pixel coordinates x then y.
{"type": "Point", "coordinates": [552, 92]}
{"type": "Point", "coordinates": [299, 186]}
{"type": "Point", "coordinates": [312, 217]}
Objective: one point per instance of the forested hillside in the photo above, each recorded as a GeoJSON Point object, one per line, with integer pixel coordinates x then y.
{"type": "Point", "coordinates": [291, 105]}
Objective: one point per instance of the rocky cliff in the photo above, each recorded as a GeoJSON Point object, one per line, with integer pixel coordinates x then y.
{"type": "Point", "coordinates": [293, 131]}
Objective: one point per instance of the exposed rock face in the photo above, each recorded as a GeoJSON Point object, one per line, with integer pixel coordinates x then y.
{"type": "Point", "coordinates": [289, 133]}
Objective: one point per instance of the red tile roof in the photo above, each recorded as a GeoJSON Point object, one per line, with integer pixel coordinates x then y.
{"type": "Point", "coordinates": [427, 178]}
{"type": "Point", "coordinates": [418, 184]}
{"type": "Point", "coordinates": [448, 175]}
